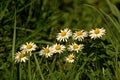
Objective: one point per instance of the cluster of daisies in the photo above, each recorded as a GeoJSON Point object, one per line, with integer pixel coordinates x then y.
{"type": "Point", "coordinates": [62, 36]}
{"type": "Point", "coordinates": [25, 51]}
{"type": "Point", "coordinates": [59, 48]}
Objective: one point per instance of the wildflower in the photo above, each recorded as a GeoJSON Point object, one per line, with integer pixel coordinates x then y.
{"type": "Point", "coordinates": [28, 47]}
{"type": "Point", "coordinates": [57, 48]}
{"type": "Point", "coordinates": [20, 57]}
{"type": "Point", "coordinates": [97, 33]}
{"type": "Point", "coordinates": [47, 51]}
{"type": "Point", "coordinates": [76, 47]}
{"type": "Point", "coordinates": [79, 35]}
{"type": "Point", "coordinates": [64, 35]}
{"type": "Point", "coordinates": [70, 58]}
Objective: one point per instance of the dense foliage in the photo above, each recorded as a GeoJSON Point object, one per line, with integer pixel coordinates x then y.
{"type": "Point", "coordinates": [39, 21]}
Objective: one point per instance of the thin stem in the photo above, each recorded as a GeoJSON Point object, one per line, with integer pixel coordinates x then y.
{"type": "Point", "coordinates": [20, 71]}
{"type": "Point", "coordinates": [116, 63]}
{"type": "Point", "coordinates": [29, 68]}
{"type": "Point", "coordinates": [38, 66]}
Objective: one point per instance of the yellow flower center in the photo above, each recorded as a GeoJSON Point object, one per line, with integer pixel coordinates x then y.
{"type": "Point", "coordinates": [79, 33]}
{"type": "Point", "coordinates": [70, 57]}
{"type": "Point", "coordinates": [63, 33]}
{"type": "Point", "coordinates": [96, 31]}
{"type": "Point", "coordinates": [46, 50]}
{"type": "Point", "coordinates": [29, 46]}
{"type": "Point", "coordinates": [21, 54]}
{"type": "Point", "coordinates": [75, 46]}
{"type": "Point", "coordinates": [58, 47]}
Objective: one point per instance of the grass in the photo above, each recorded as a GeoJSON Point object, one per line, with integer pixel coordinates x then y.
{"type": "Point", "coordinates": [40, 21]}
{"type": "Point", "coordinates": [13, 46]}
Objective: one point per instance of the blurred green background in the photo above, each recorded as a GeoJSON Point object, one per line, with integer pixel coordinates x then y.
{"type": "Point", "coordinates": [40, 20]}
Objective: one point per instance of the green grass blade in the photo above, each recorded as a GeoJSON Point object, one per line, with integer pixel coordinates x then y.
{"type": "Point", "coordinates": [39, 69]}
{"type": "Point", "coordinates": [114, 10]}
{"type": "Point", "coordinates": [13, 45]}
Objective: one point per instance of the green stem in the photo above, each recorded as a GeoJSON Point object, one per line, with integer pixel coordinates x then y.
{"type": "Point", "coordinates": [20, 71]}
{"type": "Point", "coordinates": [29, 68]}
{"type": "Point", "coordinates": [116, 63]}
{"type": "Point", "coordinates": [39, 69]}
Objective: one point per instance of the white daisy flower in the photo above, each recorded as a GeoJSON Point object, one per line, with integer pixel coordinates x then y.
{"type": "Point", "coordinates": [28, 47]}
{"type": "Point", "coordinates": [70, 58]}
{"type": "Point", "coordinates": [97, 33]}
{"type": "Point", "coordinates": [79, 35]}
{"type": "Point", "coordinates": [75, 47]}
{"type": "Point", "coordinates": [47, 52]}
{"type": "Point", "coordinates": [57, 48]}
{"type": "Point", "coordinates": [64, 35]}
{"type": "Point", "coordinates": [20, 57]}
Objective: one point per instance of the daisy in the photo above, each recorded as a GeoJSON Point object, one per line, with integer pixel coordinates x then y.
{"type": "Point", "coordinates": [97, 33]}
{"type": "Point", "coordinates": [28, 47]}
{"type": "Point", "coordinates": [70, 58]}
{"type": "Point", "coordinates": [20, 57]}
{"type": "Point", "coordinates": [64, 35]}
{"type": "Point", "coordinates": [46, 51]}
{"type": "Point", "coordinates": [79, 35]}
{"type": "Point", "coordinates": [75, 47]}
{"type": "Point", "coordinates": [57, 48]}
